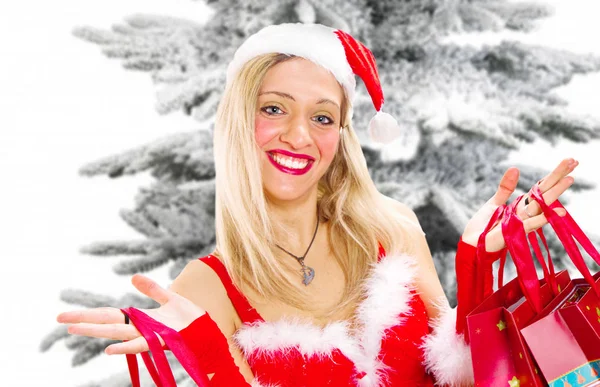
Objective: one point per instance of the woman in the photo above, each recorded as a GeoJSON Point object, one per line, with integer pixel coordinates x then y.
{"type": "Point", "coordinates": [362, 304]}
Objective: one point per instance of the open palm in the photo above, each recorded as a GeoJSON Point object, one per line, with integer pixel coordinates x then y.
{"type": "Point", "coordinates": [175, 311]}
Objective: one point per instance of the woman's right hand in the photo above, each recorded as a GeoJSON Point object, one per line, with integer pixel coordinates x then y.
{"type": "Point", "coordinates": [175, 311]}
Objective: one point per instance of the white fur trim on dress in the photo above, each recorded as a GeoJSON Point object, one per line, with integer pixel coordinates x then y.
{"type": "Point", "coordinates": [270, 338]}
{"type": "Point", "coordinates": [257, 383]}
{"type": "Point", "coordinates": [447, 355]}
{"type": "Point", "coordinates": [315, 42]}
{"type": "Point", "coordinates": [388, 291]}
{"type": "Point", "coordinates": [388, 295]}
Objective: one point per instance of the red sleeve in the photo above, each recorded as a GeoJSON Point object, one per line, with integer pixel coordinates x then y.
{"type": "Point", "coordinates": [211, 350]}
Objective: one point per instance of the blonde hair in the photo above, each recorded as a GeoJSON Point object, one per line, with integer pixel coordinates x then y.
{"type": "Point", "coordinates": [347, 198]}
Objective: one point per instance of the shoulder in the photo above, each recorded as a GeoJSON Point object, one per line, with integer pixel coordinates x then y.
{"type": "Point", "coordinates": [427, 283]}
{"type": "Point", "coordinates": [404, 211]}
{"type": "Point", "coordinates": [199, 283]}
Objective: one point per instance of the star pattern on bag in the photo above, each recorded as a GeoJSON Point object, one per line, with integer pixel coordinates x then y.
{"type": "Point", "coordinates": [514, 382]}
{"type": "Point", "coordinates": [501, 325]}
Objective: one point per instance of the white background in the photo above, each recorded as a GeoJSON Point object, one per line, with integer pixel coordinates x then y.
{"type": "Point", "coordinates": [64, 104]}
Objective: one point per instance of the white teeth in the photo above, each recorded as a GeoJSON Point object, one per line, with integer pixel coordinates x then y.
{"type": "Point", "coordinates": [289, 162]}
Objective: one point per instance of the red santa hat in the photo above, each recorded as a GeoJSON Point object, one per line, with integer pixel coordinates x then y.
{"type": "Point", "coordinates": [332, 49]}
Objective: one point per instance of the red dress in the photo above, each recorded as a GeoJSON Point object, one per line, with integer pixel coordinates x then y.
{"type": "Point", "coordinates": [385, 351]}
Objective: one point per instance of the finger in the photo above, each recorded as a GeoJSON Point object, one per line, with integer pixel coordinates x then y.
{"type": "Point", "coordinates": [540, 220]}
{"type": "Point", "coordinates": [150, 288]}
{"type": "Point", "coordinates": [104, 315]}
{"type": "Point", "coordinates": [105, 331]}
{"type": "Point", "coordinates": [494, 240]}
{"type": "Point", "coordinates": [135, 346]}
{"type": "Point", "coordinates": [549, 197]}
{"type": "Point", "coordinates": [563, 169]}
{"type": "Point", "coordinates": [534, 223]}
{"type": "Point", "coordinates": [507, 186]}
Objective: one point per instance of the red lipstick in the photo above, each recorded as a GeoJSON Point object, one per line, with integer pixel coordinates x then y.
{"type": "Point", "coordinates": [291, 171]}
{"type": "Point", "coordinates": [292, 154]}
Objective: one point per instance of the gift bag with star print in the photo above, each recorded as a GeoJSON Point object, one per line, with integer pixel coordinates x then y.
{"type": "Point", "coordinates": [500, 355]}
{"type": "Point", "coordinates": [565, 342]}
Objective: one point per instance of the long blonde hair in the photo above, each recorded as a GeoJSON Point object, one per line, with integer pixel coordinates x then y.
{"type": "Point", "coordinates": [347, 198]}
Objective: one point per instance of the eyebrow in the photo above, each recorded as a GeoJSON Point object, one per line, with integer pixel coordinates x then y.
{"type": "Point", "coordinates": [288, 96]}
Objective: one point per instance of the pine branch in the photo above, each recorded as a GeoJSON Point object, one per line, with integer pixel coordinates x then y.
{"type": "Point", "coordinates": [75, 342]}
{"type": "Point", "coordinates": [411, 193]}
{"type": "Point", "coordinates": [60, 332]}
{"type": "Point", "coordinates": [444, 262]}
{"type": "Point", "coordinates": [499, 93]}
{"type": "Point", "coordinates": [451, 207]}
{"type": "Point", "coordinates": [141, 265]}
{"type": "Point", "coordinates": [186, 95]}
{"type": "Point", "coordinates": [174, 151]}
{"type": "Point", "coordinates": [401, 24]}
{"type": "Point", "coordinates": [90, 350]}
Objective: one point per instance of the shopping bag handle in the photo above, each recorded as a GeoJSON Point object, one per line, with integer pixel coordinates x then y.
{"type": "Point", "coordinates": [548, 270]}
{"type": "Point", "coordinates": [162, 375]}
{"type": "Point", "coordinates": [567, 230]}
{"type": "Point", "coordinates": [518, 246]}
{"type": "Point", "coordinates": [517, 242]}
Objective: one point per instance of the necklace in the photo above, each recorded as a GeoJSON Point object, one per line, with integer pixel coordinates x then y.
{"type": "Point", "coordinates": [308, 273]}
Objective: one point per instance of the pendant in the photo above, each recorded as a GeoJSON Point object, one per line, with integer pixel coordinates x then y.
{"type": "Point", "coordinates": [308, 273]}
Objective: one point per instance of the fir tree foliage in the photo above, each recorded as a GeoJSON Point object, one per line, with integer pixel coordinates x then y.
{"type": "Point", "coordinates": [464, 107]}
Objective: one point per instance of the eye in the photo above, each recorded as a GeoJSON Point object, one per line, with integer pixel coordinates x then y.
{"type": "Point", "coordinates": [324, 120]}
{"type": "Point", "coordinates": [272, 110]}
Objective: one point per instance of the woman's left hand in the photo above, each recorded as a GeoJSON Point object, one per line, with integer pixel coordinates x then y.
{"type": "Point", "coordinates": [551, 186]}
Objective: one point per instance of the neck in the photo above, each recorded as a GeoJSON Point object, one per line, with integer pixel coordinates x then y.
{"type": "Point", "coordinates": [294, 224]}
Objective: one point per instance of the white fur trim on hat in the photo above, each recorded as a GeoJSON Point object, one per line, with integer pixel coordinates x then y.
{"type": "Point", "coordinates": [314, 42]}
{"type": "Point", "coordinates": [447, 355]}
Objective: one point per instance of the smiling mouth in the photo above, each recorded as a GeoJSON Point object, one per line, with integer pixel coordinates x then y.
{"type": "Point", "coordinates": [295, 167]}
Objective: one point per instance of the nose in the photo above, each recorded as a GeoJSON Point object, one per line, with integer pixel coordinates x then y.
{"type": "Point", "coordinates": [297, 132]}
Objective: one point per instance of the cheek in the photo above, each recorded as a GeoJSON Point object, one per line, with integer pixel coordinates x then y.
{"type": "Point", "coordinates": [265, 130]}
{"type": "Point", "coordinates": [328, 145]}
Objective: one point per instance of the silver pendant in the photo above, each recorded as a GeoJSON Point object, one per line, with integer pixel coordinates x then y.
{"type": "Point", "coordinates": [308, 274]}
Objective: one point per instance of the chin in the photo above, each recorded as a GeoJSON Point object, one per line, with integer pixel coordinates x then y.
{"type": "Point", "coordinates": [279, 195]}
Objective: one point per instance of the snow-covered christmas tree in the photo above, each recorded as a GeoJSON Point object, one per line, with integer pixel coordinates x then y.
{"type": "Point", "coordinates": [463, 110]}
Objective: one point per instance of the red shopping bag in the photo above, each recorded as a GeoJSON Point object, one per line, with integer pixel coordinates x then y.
{"type": "Point", "coordinates": [499, 354]}
{"type": "Point", "coordinates": [161, 374]}
{"type": "Point", "coordinates": [565, 342]}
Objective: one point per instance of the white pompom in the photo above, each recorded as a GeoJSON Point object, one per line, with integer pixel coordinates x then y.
{"type": "Point", "coordinates": [395, 143]}
{"type": "Point", "coordinates": [383, 128]}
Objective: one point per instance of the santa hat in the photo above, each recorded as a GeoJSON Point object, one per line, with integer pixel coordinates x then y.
{"type": "Point", "coordinates": [332, 49]}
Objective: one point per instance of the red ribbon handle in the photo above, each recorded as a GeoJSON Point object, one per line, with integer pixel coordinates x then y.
{"type": "Point", "coordinates": [518, 246]}
{"type": "Point", "coordinates": [567, 230]}
{"type": "Point", "coordinates": [162, 375]}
